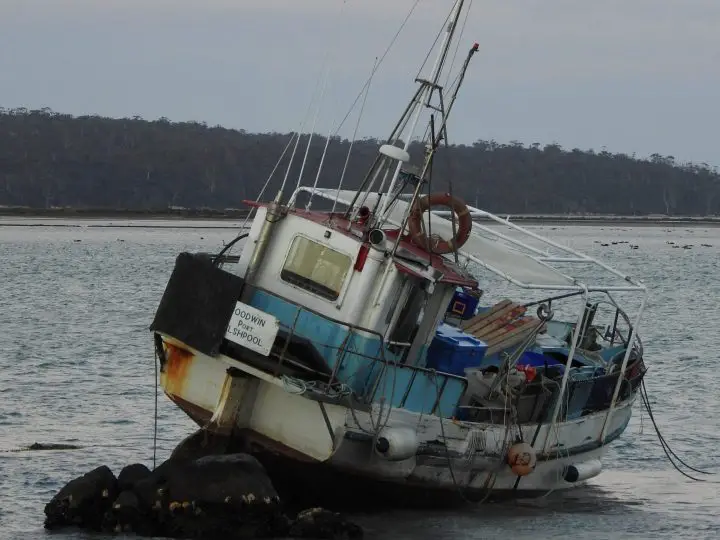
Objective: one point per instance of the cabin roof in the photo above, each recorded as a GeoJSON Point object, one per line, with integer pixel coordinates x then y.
{"type": "Point", "coordinates": [410, 259]}
{"type": "Point", "coordinates": [514, 253]}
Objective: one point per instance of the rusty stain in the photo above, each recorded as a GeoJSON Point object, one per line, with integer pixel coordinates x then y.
{"type": "Point", "coordinates": [179, 361]}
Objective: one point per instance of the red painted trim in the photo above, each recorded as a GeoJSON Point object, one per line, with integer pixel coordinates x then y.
{"type": "Point", "coordinates": [362, 257]}
{"type": "Point", "coordinates": [337, 222]}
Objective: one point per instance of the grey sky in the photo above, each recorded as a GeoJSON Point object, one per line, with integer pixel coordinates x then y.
{"type": "Point", "coordinates": [630, 75]}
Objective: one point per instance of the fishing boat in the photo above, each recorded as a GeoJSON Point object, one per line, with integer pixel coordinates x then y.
{"type": "Point", "coordinates": [350, 347]}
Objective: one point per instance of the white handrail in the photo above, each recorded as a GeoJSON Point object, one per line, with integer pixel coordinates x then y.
{"type": "Point", "coordinates": [623, 367]}
{"type": "Point", "coordinates": [537, 256]}
{"type": "Point", "coordinates": [476, 212]}
{"type": "Point", "coordinates": [566, 373]}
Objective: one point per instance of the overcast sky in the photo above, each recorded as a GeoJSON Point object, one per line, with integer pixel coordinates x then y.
{"type": "Point", "coordinates": [634, 76]}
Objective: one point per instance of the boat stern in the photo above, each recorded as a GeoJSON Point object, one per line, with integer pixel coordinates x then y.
{"type": "Point", "coordinates": [204, 388]}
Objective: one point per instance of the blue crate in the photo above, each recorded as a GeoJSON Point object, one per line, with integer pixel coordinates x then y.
{"type": "Point", "coordinates": [453, 351]}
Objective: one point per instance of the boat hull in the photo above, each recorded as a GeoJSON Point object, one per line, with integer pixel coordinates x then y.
{"type": "Point", "coordinates": [324, 454]}
{"type": "Point", "coordinates": [303, 484]}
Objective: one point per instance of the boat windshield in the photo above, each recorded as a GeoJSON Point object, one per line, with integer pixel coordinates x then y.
{"type": "Point", "coordinates": [316, 268]}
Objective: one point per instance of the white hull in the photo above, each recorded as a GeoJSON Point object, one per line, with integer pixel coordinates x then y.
{"type": "Point", "coordinates": [279, 420]}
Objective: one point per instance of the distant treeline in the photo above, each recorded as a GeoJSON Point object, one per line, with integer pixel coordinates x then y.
{"type": "Point", "coordinates": [57, 160]}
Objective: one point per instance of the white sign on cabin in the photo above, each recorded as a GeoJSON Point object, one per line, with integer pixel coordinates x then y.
{"type": "Point", "coordinates": [252, 328]}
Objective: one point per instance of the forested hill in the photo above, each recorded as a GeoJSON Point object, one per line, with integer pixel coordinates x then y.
{"type": "Point", "coordinates": [56, 160]}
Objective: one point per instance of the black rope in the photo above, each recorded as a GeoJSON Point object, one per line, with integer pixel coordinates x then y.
{"type": "Point", "coordinates": [155, 422]}
{"type": "Point", "coordinates": [665, 446]}
{"type": "Point", "coordinates": [230, 244]}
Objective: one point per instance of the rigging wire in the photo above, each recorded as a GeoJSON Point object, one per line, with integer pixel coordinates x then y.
{"type": "Point", "coordinates": [312, 129]}
{"type": "Point", "coordinates": [300, 133]}
{"type": "Point", "coordinates": [432, 47]}
{"type": "Point", "coordinates": [459, 41]}
{"type": "Point", "coordinates": [354, 137]}
{"type": "Point", "coordinates": [664, 444]}
{"type": "Point", "coordinates": [267, 182]}
{"type": "Point", "coordinates": [379, 63]}
{"type": "Point", "coordinates": [347, 114]}
{"type": "Point", "coordinates": [328, 138]}
{"type": "Point", "coordinates": [327, 68]}
{"type": "Point", "coordinates": [319, 170]}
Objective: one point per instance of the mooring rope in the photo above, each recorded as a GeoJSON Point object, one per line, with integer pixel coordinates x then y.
{"type": "Point", "coordinates": [155, 419]}
{"type": "Point", "coordinates": [664, 444]}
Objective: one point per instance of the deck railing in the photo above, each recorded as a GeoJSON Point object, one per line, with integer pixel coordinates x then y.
{"type": "Point", "coordinates": [583, 395]}
{"type": "Point", "coordinates": [382, 374]}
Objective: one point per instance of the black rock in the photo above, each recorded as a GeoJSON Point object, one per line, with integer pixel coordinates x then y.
{"type": "Point", "coordinates": [216, 496]}
{"type": "Point", "coordinates": [151, 491]}
{"type": "Point", "coordinates": [83, 501]}
{"type": "Point", "coordinates": [131, 475]}
{"type": "Point", "coordinates": [200, 444]}
{"type": "Point", "coordinates": [51, 446]}
{"type": "Point", "coordinates": [191, 520]}
{"type": "Point", "coordinates": [323, 524]}
{"type": "Point", "coordinates": [236, 480]}
{"type": "Point", "coordinates": [128, 515]}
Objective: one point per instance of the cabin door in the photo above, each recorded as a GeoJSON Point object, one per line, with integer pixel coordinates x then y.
{"type": "Point", "coordinates": [408, 316]}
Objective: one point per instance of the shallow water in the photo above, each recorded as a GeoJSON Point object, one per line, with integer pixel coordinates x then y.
{"type": "Point", "coordinates": [77, 367]}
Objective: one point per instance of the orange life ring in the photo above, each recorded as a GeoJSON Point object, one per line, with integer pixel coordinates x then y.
{"type": "Point", "coordinates": [522, 459]}
{"type": "Point", "coordinates": [438, 245]}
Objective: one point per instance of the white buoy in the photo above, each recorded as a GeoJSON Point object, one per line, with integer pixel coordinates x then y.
{"type": "Point", "coordinates": [397, 443]}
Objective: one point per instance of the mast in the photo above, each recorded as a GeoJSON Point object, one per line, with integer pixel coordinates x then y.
{"type": "Point", "coordinates": [391, 158]}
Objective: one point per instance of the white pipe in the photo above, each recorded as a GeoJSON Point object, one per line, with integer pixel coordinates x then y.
{"type": "Point", "coordinates": [555, 244]}
{"type": "Point", "coordinates": [535, 286]}
{"type": "Point", "coordinates": [475, 212]}
{"type": "Point", "coordinates": [639, 286]}
{"type": "Point", "coordinates": [568, 364]}
{"type": "Point", "coordinates": [564, 259]}
{"type": "Point", "coordinates": [621, 376]}
{"type": "Point", "coordinates": [636, 287]}
{"type": "Point", "coordinates": [510, 239]}
{"type": "Point", "coordinates": [581, 256]}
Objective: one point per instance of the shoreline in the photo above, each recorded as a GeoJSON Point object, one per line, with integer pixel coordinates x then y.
{"type": "Point", "coordinates": [181, 215]}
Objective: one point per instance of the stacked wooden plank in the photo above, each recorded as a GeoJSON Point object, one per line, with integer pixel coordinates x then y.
{"type": "Point", "coordinates": [502, 326]}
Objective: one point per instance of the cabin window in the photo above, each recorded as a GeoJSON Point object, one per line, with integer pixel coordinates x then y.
{"type": "Point", "coordinates": [316, 268]}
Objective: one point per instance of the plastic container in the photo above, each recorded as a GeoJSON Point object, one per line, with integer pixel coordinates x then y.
{"type": "Point", "coordinates": [536, 359]}
{"type": "Point", "coordinates": [453, 351]}
{"type": "Point", "coordinates": [463, 304]}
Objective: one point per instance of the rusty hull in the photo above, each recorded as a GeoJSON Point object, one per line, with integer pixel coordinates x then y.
{"type": "Point", "coordinates": [226, 412]}
{"type": "Point", "coordinates": [176, 372]}
{"type": "Point", "coordinates": [173, 378]}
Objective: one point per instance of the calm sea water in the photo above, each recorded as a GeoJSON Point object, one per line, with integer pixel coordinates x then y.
{"type": "Point", "coordinates": [77, 366]}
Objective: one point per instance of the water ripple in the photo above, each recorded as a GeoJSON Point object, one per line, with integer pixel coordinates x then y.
{"type": "Point", "coordinates": [77, 363]}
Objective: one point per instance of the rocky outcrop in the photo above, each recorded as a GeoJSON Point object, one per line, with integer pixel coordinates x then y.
{"type": "Point", "coordinates": [224, 496]}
